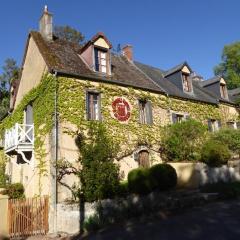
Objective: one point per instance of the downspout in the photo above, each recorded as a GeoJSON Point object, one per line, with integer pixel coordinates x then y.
{"type": "Point", "coordinates": [55, 153]}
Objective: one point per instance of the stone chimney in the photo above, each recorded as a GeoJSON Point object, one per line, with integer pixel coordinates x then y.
{"type": "Point", "coordinates": [45, 24]}
{"type": "Point", "coordinates": [127, 51]}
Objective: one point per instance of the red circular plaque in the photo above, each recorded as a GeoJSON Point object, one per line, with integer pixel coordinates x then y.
{"type": "Point", "coordinates": [121, 109]}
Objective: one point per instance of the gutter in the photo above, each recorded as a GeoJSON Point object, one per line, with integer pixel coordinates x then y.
{"type": "Point", "coordinates": [95, 78]}
{"type": "Point", "coordinates": [54, 199]}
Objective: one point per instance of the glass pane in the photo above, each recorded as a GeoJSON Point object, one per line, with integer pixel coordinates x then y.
{"type": "Point", "coordinates": [103, 55]}
{"type": "Point", "coordinates": [103, 62]}
{"type": "Point", "coordinates": [104, 69]}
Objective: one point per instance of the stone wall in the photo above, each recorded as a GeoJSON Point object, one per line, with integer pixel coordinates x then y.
{"type": "Point", "coordinates": [193, 175]}
{"type": "Point", "coordinates": [190, 175]}
{"type": "Point", "coordinates": [4, 216]}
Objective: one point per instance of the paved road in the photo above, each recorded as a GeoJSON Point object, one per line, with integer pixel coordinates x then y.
{"type": "Point", "coordinates": [216, 221]}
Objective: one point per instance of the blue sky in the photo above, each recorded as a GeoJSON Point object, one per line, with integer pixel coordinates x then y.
{"type": "Point", "coordinates": [163, 33]}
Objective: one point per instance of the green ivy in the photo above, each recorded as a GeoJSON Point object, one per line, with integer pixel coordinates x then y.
{"type": "Point", "coordinates": [71, 109]}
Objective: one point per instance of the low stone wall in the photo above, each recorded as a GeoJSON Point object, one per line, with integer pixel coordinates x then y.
{"type": "Point", "coordinates": [193, 175]}
{"type": "Point", "coordinates": [4, 216]}
{"type": "Point", "coordinates": [190, 175]}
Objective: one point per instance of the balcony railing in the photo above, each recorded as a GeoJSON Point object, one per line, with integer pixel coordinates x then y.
{"type": "Point", "coordinates": [19, 136]}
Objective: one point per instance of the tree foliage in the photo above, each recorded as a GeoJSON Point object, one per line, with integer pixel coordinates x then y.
{"type": "Point", "coordinates": [215, 153]}
{"type": "Point", "coordinates": [69, 34]}
{"type": "Point", "coordinates": [229, 67]}
{"type": "Point", "coordinates": [182, 141]}
{"type": "Point", "coordinates": [10, 74]}
{"type": "Point", "coordinates": [99, 175]}
{"type": "Point", "coordinates": [3, 176]}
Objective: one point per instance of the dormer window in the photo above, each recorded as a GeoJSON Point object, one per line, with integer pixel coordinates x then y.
{"type": "Point", "coordinates": [223, 90]}
{"type": "Point", "coordinates": [96, 54]}
{"type": "Point", "coordinates": [187, 86]}
{"type": "Point", "coordinates": [101, 60]}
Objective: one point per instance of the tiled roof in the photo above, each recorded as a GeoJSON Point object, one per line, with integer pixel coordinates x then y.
{"type": "Point", "coordinates": [176, 69]}
{"type": "Point", "coordinates": [63, 57]}
{"type": "Point", "coordinates": [156, 74]}
{"type": "Point", "coordinates": [210, 81]}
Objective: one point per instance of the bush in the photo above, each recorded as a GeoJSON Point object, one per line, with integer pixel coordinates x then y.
{"type": "Point", "coordinates": [15, 190]}
{"type": "Point", "coordinates": [3, 176]}
{"type": "Point", "coordinates": [163, 176]}
{"type": "Point", "coordinates": [182, 141]}
{"type": "Point", "coordinates": [214, 153]}
{"type": "Point", "coordinates": [230, 137]}
{"type": "Point", "coordinates": [99, 174]}
{"type": "Point", "coordinates": [225, 190]}
{"type": "Point", "coordinates": [123, 189]}
{"type": "Point", "coordinates": [139, 181]}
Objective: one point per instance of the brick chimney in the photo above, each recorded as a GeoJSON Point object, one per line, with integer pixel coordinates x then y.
{"type": "Point", "coordinates": [45, 24]}
{"type": "Point", "coordinates": [127, 51]}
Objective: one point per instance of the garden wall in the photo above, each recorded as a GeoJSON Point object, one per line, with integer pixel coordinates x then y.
{"type": "Point", "coordinates": [4, 216]}
{"type": "Point", "coordinates": [193, 175]}
{"type": "Point", "coordinates": [190, 175]}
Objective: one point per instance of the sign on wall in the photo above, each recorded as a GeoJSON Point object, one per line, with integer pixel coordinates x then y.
{"type": "Point", "coordinates": [121, 109]}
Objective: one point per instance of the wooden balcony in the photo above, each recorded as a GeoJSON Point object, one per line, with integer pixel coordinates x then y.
{"type": "Point", "coordinates": [18, 139]}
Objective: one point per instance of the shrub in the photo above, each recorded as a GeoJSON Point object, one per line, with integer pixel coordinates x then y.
{"type": "Point", "coordinates": [139, 181]}
{"type": "Point", "coordinates": [123, 189]}
{"type": "Point", "coordinates": [214, 153]}
{"type": "Point", "coordinates": [3, 176]}
{"type": "Point", "coordinates": [15, 190]}
{"type": "Point", "coordinates": [182, 141]}
{"type": "Point", "coordinates": [226, 190]}
{"type": "Point", "coordinates": [230, 137]}
{"type": "Point", "coordinates": [99, 174]}
{"type": "Point", "coordinates": [163, 176]}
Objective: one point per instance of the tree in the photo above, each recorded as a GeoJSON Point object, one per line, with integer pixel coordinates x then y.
{"type": "Point", "coordinates": [9, 75]}
{"type": "Point", "coordinates": [99, 175]}
{"type": "Point", "coordinates": [229, 68]}
{"type": "Point", "coordinates": [69, 34]}
{"type": "Point", "coordinates": [182, 141]}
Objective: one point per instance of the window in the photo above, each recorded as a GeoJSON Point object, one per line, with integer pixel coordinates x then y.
{"type": "Point", "coordinates": [231, 124]}
{"type": "Point", "coordinates": [101, 60]}
{"type": "Point", "coordinates": [176, 117]}
{"type": "Point", "coordinates": [214, 125]}
{"type": "Point", "coordinates": [187, 87]}
{"type": "Point", "coordinates": [93, 106]}
{"type": "Point", "coordinates": [223, 91]}
{"type": "Point", "coordinates": [145, 112]}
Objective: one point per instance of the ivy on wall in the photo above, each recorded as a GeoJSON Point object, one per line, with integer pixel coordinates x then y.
{"type": "Point", "coordinates": [42, 100]}
{"type": "Point", "coordinates": [71, 109]}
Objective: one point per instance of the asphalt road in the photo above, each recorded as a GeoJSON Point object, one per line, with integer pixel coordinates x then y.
{"type": "Point", "coordinates": [215, 221]}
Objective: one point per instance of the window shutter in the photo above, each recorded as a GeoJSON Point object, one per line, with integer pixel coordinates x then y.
{"type": "Point", "coordinates": [87, 105]}
{"type": "Point", "coordinates": [174, 117]}
{"type": "Point", "coordinates": [210, 128]}
{"type": "Point", "coordinates": [96, 59]}
{"type": "Point", "coordinates": [149, 112]}
{"type": "Point", "coordinates": [99, 107]}
{"type": "Point", "coordinates": [219, 124]}
{"type": "Point", "coordinates": [140, 111]}
{"type": "Point", "coordinates": [29, 114]}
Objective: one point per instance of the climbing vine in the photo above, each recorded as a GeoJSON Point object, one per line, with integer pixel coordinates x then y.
{"type": "Point", "coordinates": [71, 109]}
{"type": "Point", "coordinates": [42, 100]}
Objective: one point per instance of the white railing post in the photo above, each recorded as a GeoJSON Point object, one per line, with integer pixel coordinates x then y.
{"type": "Point", "coordinates": [16, 134]}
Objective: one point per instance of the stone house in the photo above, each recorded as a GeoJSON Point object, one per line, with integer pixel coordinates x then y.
{"type": "Point", "coordinates": [64, 86]}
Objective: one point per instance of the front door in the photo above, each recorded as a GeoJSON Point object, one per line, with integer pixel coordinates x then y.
{"type": "Point", "coordinates": [144, 159]}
